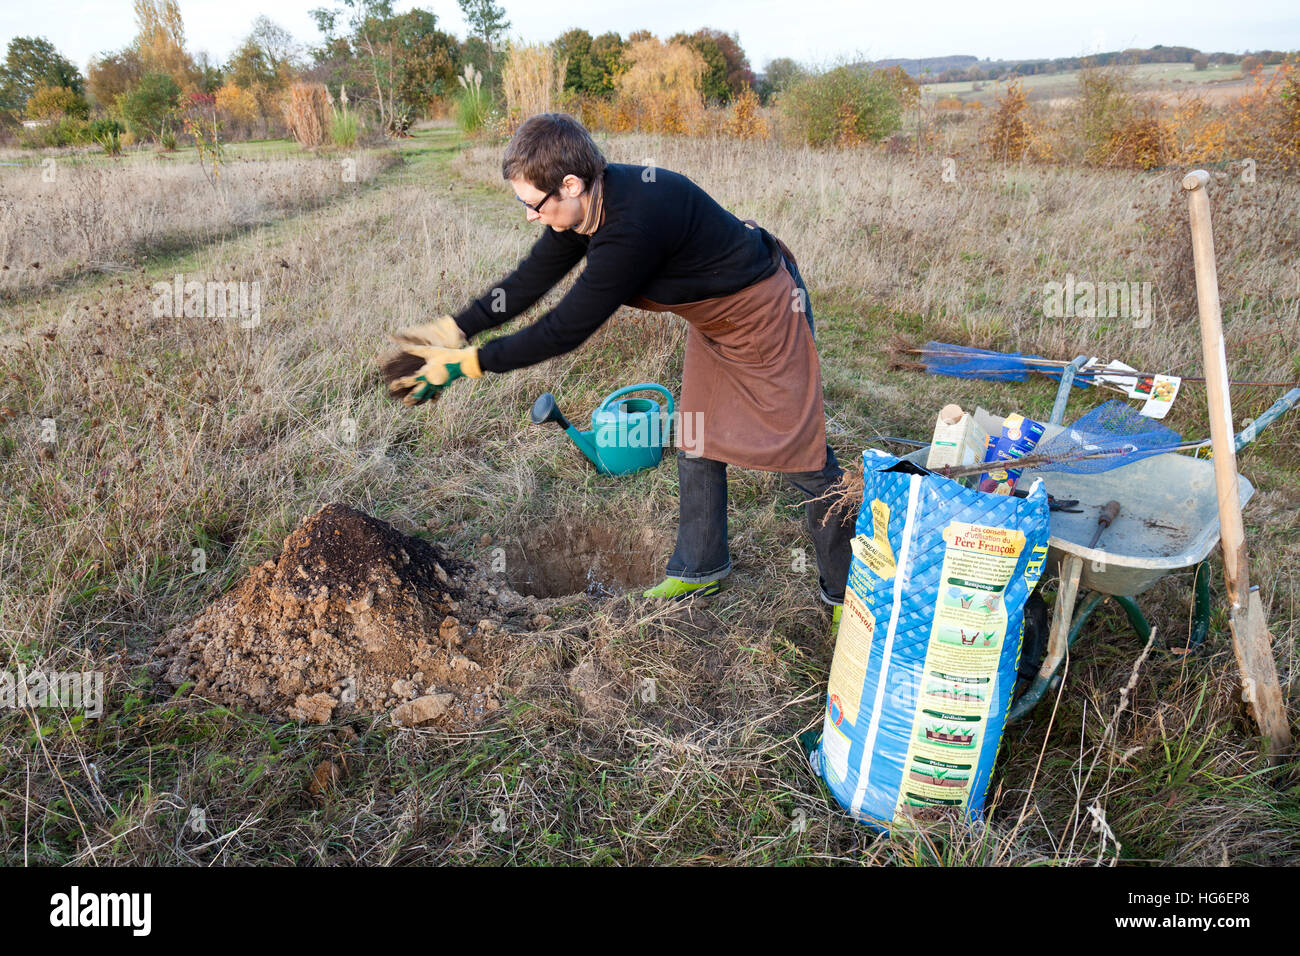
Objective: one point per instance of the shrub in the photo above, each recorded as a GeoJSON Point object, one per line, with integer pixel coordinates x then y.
{"type": "Point", "coordinates": [108, 134]}
{"type": "Point", "coordinates": [149, 107]}
{"type": "Point", "coordinates": [1009, 134]}
{"type": "Point", "coordinates": [56, 102]}
{"type": "Point", "coordinates": [845, 106]}
{"type": "Point", "coordinates": [473, 102]}
{"type": "Point", "coordinates": [1265, 123]}
{"type": "Point", "coordinates": [1201, 131]}
{"type": "Point", "coordinates": [67, 131]}
{"type": "Point", "coordinates": [1143, 140]}
{"type": "Point", "coordinates": [343, 126]}
{"type": "Point", "coordinates": [1105, 105]}
{"type": "Point", "coordinates": [745, 120]}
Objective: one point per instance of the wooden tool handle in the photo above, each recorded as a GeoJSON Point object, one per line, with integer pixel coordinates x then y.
{"type": "Point", "coordinates": [1251, 641]}
{"type": "Point", "coordinates": [1231, 530]}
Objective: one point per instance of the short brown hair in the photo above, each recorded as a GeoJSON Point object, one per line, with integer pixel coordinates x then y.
{"type": "Point", "coordinates": [549, 146]}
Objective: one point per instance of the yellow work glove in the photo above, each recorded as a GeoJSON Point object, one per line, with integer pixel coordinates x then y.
{"type": "Point", "coordinates": [442, 366]}
{"type": "Point", "coordinates": [442, 331]}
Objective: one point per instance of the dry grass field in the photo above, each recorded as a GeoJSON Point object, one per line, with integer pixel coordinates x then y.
{"type": "Point", "coordinates": [176, 433]}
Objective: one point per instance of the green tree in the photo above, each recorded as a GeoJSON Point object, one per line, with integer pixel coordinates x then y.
{"type": "Point", "coordinates": [378, 54]}
{"type": "Point", "coordinates": [726, 68]}
{"type": "Point", "coordinates": [31, 62]}
{"type": "Point", "coordinates": [207, 75]}
{"type": "Point", "coordinates": [604, 64]}
{"type": "Point", "coordinates": [428, 69]}
{"type": "Point", "coordinates": [780, 74]}
{"type": "Point", "coordinates": [151, 106]}
{"type": "Point", "coordinates": [487, 21]}
{"type": "Point", "coordinates": [574, 47]}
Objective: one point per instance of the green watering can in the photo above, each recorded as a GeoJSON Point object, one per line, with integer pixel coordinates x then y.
{"type": "Point", "coordinates": [625, 436]}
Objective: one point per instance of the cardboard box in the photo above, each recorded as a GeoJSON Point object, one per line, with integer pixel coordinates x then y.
{"type": "Point", "coordinates": [957, 439]}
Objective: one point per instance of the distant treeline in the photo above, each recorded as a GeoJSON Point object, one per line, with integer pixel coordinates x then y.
{"type": "Point", "coordinates": [957, 69]}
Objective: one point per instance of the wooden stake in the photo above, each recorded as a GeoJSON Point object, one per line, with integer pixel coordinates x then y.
{"type": "Point", "coordinates": [1250, 638]}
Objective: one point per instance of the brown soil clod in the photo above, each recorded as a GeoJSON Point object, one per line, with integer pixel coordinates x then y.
{"type": "Point", "coordinates": [353, 618]}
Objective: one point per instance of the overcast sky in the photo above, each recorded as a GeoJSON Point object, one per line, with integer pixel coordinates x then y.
{"type": "Point", "coordinates": [808, 30]}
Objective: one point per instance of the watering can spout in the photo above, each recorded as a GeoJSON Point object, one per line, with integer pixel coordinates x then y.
{"type": "Point", "coordinates": [546, 410]}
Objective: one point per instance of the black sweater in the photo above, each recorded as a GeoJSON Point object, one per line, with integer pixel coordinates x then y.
{"type": "Point", "coordinates": [663, 238]}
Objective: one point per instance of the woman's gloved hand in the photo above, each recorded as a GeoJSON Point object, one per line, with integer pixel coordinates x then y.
{"type": "Point", "coordinates": [441, 367]}
{"type": "Point", "coordinates": [442, 331]}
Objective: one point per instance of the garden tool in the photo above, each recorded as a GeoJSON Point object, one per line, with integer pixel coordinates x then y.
{"type": "Point", "coordinates": [626, 436]}
{"type": "Point", "coordinates": [1250, 638]}
{"type": "Point", "coordinates": [1109, 512]}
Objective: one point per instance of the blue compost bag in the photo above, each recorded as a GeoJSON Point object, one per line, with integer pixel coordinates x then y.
{"type": "Point", "coordinates": [929, 642]}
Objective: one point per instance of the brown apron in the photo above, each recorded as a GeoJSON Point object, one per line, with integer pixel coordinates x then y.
{"type": "Point", "coordinates": [751, 381]}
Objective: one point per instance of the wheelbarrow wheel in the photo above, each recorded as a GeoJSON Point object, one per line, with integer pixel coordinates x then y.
{"type": "Point", "coordinates": [1033, 646]}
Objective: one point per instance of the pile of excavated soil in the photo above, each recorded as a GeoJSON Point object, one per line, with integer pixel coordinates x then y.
{"type": "Point", "coordinates": [354, 617]}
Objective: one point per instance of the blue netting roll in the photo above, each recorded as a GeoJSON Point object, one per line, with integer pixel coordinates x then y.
{"type": "Point", "coordinates": [964, 361]}
{"type": "Point", "coordinates": [1116, 430]}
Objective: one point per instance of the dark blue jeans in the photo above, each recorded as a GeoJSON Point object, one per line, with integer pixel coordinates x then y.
{"type": "Point", "coordinates": [701, 553]}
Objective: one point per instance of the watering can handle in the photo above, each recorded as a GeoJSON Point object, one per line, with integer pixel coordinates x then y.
{"type": "Point", "coordinates": [645, 386]}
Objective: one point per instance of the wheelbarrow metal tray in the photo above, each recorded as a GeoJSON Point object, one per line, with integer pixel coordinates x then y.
{"type": "Point", "coordinates": [1168, 519]}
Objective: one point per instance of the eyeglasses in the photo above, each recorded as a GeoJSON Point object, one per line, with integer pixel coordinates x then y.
{"type": "Point", "coordinates": [540, 203]}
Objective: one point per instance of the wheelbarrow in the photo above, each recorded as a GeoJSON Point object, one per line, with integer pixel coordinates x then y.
{"type": "Point", "coordinates": [1168, 521]}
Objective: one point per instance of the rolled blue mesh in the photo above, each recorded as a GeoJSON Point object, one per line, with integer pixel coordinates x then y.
{"type": "Point", "coordinates": [964, 361]}
{"type": "Point", "coordinates": [1107, 437]}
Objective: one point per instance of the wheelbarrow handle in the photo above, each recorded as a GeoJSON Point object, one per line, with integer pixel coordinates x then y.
{"type": "Point", "coordinates": [1251, 431]}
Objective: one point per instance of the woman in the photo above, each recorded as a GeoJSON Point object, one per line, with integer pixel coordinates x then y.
{"type": "Point", "coordinates": [654, 240]}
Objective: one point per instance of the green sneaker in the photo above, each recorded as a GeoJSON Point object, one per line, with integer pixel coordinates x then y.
{"type": "Point", "coordinates": [676, 589]}
{"type": "Point", "coordinates": [836, 612]}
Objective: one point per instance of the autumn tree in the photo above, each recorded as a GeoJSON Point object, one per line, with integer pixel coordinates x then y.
{"type": "Point", "coordinates": [160, 40]}
{"type": "Point", "coordinates": [111, 75]}
{"type": "Point", "coordinates": [264, 64]}
{"type": "Point", "coordinates": [56, 102]}
{"type": "Point", "coordinates": [428, 73]}
{"type": "Point", "coordinates": [661, 85]}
